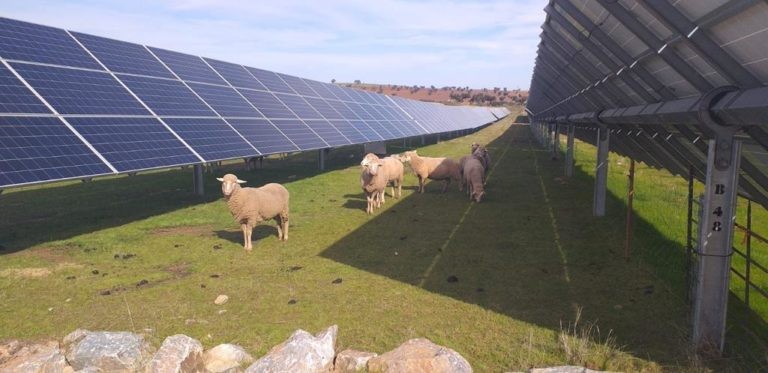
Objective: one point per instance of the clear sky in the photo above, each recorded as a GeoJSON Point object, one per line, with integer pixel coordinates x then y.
{"type": "Point", "coordinates": [489, 43]}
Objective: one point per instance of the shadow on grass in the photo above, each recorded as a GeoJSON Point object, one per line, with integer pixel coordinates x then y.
{"type": "Point", "coordinates": [532, 250]}
{"type": "Point", "coordinates": [261, 231]}
{"type": "Point", "coordinates": [59, 211]}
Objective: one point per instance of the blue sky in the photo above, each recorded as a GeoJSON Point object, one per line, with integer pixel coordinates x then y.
{"type": "Point", "coordinates": [479, 44]}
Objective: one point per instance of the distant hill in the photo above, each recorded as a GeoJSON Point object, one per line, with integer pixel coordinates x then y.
{"type": "Point", "coordinates": [447, 95]}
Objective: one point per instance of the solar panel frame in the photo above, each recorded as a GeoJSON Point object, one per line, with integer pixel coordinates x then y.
{"type": "Point", "coordinates": [23, 41]}
{"type": "Point", "coordinates": [123, 57]}
{"type": "Point", "coordinates": [186, 66]}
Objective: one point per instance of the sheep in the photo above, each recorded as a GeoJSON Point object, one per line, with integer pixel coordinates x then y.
{"type": "Point", "coordinates": [485, 157]}
{"type": "Point", "coordinates": [433, 168]}
{"type": "Point", "coordinates": [473, 176]}
{"type": "Point", "coordinates": [251, 206]}
{"type": "Point", "coordinates": [394, 168]}
{"type": "Point", "coordinates": [373, 180]}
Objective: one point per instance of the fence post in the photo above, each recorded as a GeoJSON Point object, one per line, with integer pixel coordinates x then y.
{"type": "Point", "coordinates": [630, 199]}
{"type": "Point", "coordinates": [689, 235]}
{"type": "Point", "coordinates": [554, 140]}
{"type": "Point", "coordinates": [749, 252]}
{"type": "Point", "coordinates": [601, 172]}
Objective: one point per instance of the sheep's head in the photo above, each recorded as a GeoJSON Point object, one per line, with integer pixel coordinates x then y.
{"type": "Point", "coordinates": [406, 157]}
{"type": "Point", "coordinates": [368, 159]}
{"type": "Point", "coordinates": [373, 167]}
{"type": "Point", "coordinates": [479, 151]}
{"type": "Point", "coordinates": [474, 147]}
{"type": "Point", "coordinates": [477, 196]}
{"type": "Point", "coordinates": [229, 183]}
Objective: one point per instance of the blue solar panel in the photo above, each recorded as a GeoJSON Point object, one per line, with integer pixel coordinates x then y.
{"type": "Point", "coordinates": [392, 127]}
{"type": "Point", "coordinates": [374, 112]}
{"type": "Point", "coordinates": [131, 144]}
{"type": "Point", "coordinates": [270, 80]}
{"type": "Point", "coordinates": [297, 104]}
{"type": "Point", "coordinates": [225, 100]}
{"type": "Point", "coordinates": [30, 42]}
{"type": "Point", "coordinates": [323, 108]}
{"type": "Point", "coordinates": [379, 99]}
{"type": "Point", "coordinates": [123, 57]}
{"type": "Point", "coordinates": [343, 110]}
{"type": "Point", "coordinates": [350, 131]}
{"type": "Point", "coordinates": [43, 149]}
{"type": "Point", "coordinates": [72, 91]}
{"type": "Point", "coordinates": [327, 132]}
{"type": "Point", "coordinates": [212, 138]}
{"type": "Point", "coordinates": [188, 67]}
{"type": "Point", "coordinates": [15, 97]}
{"type": "Point", "coordinates": [359, 110]}
{"type": "Point", "coordinates": [321, 89]}
{"type": "Point", "coordinates": [382, 128]}
{"type": "Point", "coordinates": [358, 96]}
{"type": "Point", "coordinates": [339, 92]}
{"type": "Point", "coordinates": [267, 104]}
{"type": "Point", "coordinates": [263, 135]}
{"type": "Point", "coordinates": [298, 85]}
{"type": "Point", "coordinates": [236, 75]}
{"type": "Point", "coordinates": [366, 130]}
{"type": "Point", "coordinates": [300, 134]}
{"type": "Point", "coordinates": [167, 97]}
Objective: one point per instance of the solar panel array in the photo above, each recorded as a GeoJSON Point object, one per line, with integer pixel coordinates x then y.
{"type": "Point", "coordinates": [74, 105]}
{"type": "Point", "coordinates": [647, 69]}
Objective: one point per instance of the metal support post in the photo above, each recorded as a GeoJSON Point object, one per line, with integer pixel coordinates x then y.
{"type": "Point", "coordinates": [689, 231]}
{"type": "Point", "coordinates": [569, 151]}
{"type": "Point", "coordinates": [321, 158]}
{"type": "Point", "coordinates": [715, 245]}
{"type": "Point", "coordinates": [423, 141]}
{"type": "Point", "coordinates": [749, 253]}
{"type": "Point", "coordinates": [197, 179]}
{"type": "Point", "coordinates": [601, 172]}
{"type": "Point", "coordinates": [555, 141]}
{"type": "Point", "coordinates": [630, 199]}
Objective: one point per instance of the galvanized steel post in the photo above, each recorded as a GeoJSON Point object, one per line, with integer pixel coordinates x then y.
{"type": "Point", "coordinates": [197, 179]}
{"type": "Point", "coordinates": [601, 172]}
{"type": "Point", "coordinates": [569, 151]}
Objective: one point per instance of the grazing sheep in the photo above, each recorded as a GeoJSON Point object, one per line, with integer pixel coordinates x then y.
{"type": "Point", "coordinates": [395, 172]}
{"type": "Point", "coordinates": [474, 173]}
{"type": "Point", "coordinates": [485, 157]}
{"type": "Point", "coordinates": [433, 168]}
{"type": "Point", "coordinates": [373, 180]}
{"type": "Point", "coordinates": [251, 206]}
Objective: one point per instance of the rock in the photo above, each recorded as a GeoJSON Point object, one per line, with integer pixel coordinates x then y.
{"type": "Point", "coordinates": [226, 358]}
{"type": "Point", "coordinates": [563, 369]}
{"type": "Point", "coordinates": [349, 361]}
{"type": "Point", "coordinates": [178, 353]}
{"type": "Point", "coordinates": [302, 352]}
{"type": "Point", "coordinates": [107, 351]}
{"type": "Point", "coordinates": [420, 355]}
{"type": "Point", "coordinates": [221, 299]}
{"type": "Point", "coordinates": [32, 358]}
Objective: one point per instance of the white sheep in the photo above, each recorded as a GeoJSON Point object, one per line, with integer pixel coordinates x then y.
{"type": "Point", "coordinates": [485, 157]}
{"type": "Point", "coordinates": [373, 180]}
{"type": "Point", "coordinates": [474, 174]}
{"type": "Point", "coordinates": [394, 172]}
{"type": "Point", "coordinates": [251, 206]}
{"type": "Point", "coordinates": [433, 168]}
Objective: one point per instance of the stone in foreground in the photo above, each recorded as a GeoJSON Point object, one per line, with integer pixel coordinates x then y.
{"type": "Point", "coordinates": [178, 353]}
{"type": "Point", "coordinates": [107, 351]}
{"type": "Point", "coordinates": [420, 355]}
{"type": "Point", "coordinates": [19, 357]}
{"type": "Point", "coordinates": [351, 361]}
{"type": "Point", "coordinates": [301, 353]}
{"type": "Point", "coordinates": [226, 358]}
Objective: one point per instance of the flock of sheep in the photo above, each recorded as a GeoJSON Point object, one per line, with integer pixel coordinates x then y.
{"type": "Point", "coordinates": [251, 206]}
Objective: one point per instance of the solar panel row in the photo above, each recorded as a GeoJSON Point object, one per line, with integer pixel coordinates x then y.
{"type": "Point", "coordinates": [96, 106]}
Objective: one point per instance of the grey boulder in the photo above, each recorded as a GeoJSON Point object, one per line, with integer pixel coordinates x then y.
{"type": "Point", "coordinates": [420, 355]}
{"type": "Point", "coordinates": [178, 353]}
{"type": "Point", "coordinates": [226, 358]}
{"type": "Point", "coordinates": [106, 351]}
{"type": "Point", "coordinates": [301, 353]}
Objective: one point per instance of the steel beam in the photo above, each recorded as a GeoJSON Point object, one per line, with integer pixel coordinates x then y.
{"type": "Point", "coordinates": [322, 155]}
{"type": "Point", "coordinates": [569, 151]}
{"type": "Point", "coordinates": [601, 172]}
{"type": "Point", "coordinates": [197, 179]}
{"type": "Point", "coordinates": [715, 247]}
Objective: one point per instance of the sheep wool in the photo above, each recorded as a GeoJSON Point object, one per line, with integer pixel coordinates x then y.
{"type": "Point", "coordinates": [251, 206]}
{"type": "Point", "coordinates": [373, 180]}
{"type": "Point", "coordinates": [474, 173]}
{"type": "Point", "coordinates": [445, 169]}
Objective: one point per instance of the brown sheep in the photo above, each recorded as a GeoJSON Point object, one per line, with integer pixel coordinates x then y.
{"type": "Point", "coordinates": [485, 158]}
{"type": "Point", "coordinates": [251, 206]}
{"type": "Point", "coordinates": [433, 168]}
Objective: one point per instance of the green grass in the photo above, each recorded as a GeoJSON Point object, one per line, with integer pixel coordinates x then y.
{"type": "Point", "coordinates": [540, 281]}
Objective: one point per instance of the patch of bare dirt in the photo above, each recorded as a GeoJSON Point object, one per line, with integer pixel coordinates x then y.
{"type": "Point", "coordinates": [179, 270]}
{"type": "Point", "coordinates": [31, 272]}
{"type": "Point", "coordinates": [187, 230]}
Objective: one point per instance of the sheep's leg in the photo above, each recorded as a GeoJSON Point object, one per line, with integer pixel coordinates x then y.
{"type": "Point", "coordinates": [400, 189]}
{"type": "Point", "coordinates": [445, 186]}
{"type": "Point", "coordinates": [421, 184]}
{"type": "Point", "coordinates": [246, 238]}
{"type": "Point", "coordinates": [279, 222]}
{"type": "Point", "coordinates": [381, 196]}
{"type": "Point", "coordinates": [369, 206]}
{"type": "Point", "coordinates": [284, 218]}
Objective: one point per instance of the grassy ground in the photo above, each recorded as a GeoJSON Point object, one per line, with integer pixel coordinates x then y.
{"type": "Point", "coordinates": [526, 278]}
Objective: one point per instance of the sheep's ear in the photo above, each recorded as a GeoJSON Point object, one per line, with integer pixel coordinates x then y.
{"type": "Point", "coordinates": [220, 179]}
{"type": "Point", "coordinates": [241, 181]}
